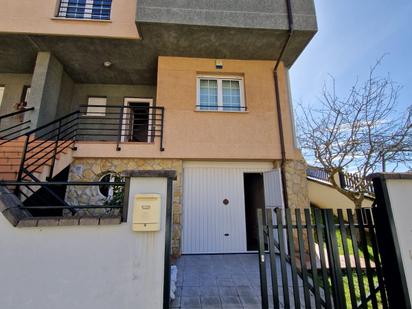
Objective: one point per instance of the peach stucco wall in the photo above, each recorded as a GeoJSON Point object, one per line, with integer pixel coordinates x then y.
{"type": "Point", "coordinates": [37, 17]}
{"type": "Point", "coordinates": [191, 134]}
{"type": "Point", "coordinates": [243, 135]}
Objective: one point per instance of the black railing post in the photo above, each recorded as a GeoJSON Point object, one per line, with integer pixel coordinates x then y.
{"type": "Point", "coordinates": [262, 260]}
{"type": "Point", "coordinates": [334, 260]}
{"type": "Point", "coordinates": [161, 129]}
{"type": "Point", "coordinates": [388, 243]}
{"type": "Point", "coordinates": [77, 128]}
{"type": "Point", "coordinates": [342, 180]}
{"type": "Point", "coordinates": [56, 146]}
{"type": "Point", "coordinates": [119, 132]}
{"type": "Point", "coordinates": [23, 159]}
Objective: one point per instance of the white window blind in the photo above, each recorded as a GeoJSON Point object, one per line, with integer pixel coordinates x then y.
{"type": "Point", "coordinates": [1, 94]}
{"type": "Point", "coordinates": [96, 106]}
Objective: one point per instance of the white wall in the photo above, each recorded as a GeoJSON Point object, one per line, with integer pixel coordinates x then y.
{"type": "Point", "coordinates": [84, 266]}
{"type": "Point", "coordinates": [400, 194]}
{"type": "Point", "coordinates": [323, 195]}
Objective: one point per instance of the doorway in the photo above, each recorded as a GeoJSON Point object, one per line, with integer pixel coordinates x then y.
{"type": "Point", "coordinates": [137, 120]}
{"type": "Point", "coordinates": [254, 199]}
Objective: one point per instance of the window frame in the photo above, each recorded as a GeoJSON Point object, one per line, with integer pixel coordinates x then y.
{"type": "Point", "coordinates": [2, 91]}
{"type": "Point", "coordinates": [86, 14]}
{"type": "Point", "coordinates": [219, 79]}
{"type": "Point", "coordinates": [93, 111]}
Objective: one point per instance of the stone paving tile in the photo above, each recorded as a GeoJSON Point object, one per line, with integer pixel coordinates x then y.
{"type": "Point", "coordinates": [228, 291]}
{"type": "Point", "coordinates": [223, 281]}
{"type": "Point", "coordinates": [249, 300]}
{"type": "Point", "coordinates": [190, 302]}
{"type": "Point", "coordinates": [230, 302]}
{"type": "Point", "coordinates": [190, 291]}
{"type": "Point", "coordinates": [209, 291]}
{"type": "Point", "coordinates": [246, 291]}
{"type": "Point", "coordinates": [212, 302]}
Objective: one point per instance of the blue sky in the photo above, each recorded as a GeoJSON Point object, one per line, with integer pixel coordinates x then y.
{"type": "Point", "coordinates": [352, 35]}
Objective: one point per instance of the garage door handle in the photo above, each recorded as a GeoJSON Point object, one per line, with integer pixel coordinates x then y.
{"type": "Point", "coordinates": [226, 234]}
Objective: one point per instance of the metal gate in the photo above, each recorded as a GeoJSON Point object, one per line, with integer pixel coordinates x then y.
{"type": "Point", "coordinates": [318, 259]}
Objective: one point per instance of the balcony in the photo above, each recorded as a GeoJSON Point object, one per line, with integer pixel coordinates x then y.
{"type": "Point", "coordinates": [85, 9]}
{"type": "Point", "coordinates": [241, 29]}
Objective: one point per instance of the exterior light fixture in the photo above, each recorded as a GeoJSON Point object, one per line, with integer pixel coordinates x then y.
{"type": "Point", "coordinates": [219, 64]}
{"type": "Point", "coordinates": [107, 64]}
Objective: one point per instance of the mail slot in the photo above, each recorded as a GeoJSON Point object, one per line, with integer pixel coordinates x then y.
{"type": "Point", "coordinates": [146, 212]}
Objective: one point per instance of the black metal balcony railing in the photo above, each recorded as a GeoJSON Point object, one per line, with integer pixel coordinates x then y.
{"type": "Point", "coordinates": [109, 123]}
{"type": "Point", "coordinates": [122, 124]}
{"type": "Point", "coordinates": [317, 173]}
{"type": "Point", "coordinates": [348, 181]}
{"type": "Point", "coordinates": [85, 9]}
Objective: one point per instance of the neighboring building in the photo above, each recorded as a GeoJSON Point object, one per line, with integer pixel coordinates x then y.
{"type": "Point", "coordinates": [182, 85]}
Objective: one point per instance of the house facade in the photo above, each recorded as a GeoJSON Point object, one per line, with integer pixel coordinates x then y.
{"type": "Point", "coordinates": [192, 86]}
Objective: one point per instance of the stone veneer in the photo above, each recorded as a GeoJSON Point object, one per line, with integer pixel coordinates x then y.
{"type": "Point", "coordinates": [297, 184]}
{"type": "Point", "coordinates": [94, 169]}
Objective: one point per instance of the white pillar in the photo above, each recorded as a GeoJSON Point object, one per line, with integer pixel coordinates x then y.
{"type": "Point", "coordinates": [400, 195]}
{"type": "Point", "coordinates": [153, 248]}
{"type": "Point", "coordinates": [393, 219]}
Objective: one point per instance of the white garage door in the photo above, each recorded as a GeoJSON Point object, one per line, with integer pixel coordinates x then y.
{"type": "Point", "coordinates": [210, 225]}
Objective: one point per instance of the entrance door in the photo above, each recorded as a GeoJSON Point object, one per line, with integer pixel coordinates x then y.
{"type": "Point", "coordinates": [137, 120]}
{"type": "Point", "coordinates": [254, 199]}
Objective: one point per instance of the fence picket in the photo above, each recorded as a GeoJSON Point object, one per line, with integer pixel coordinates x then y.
{"type": "Point", "coordinates": [324, 268]}
{"type": "Point", "coordinates": [312, 254]}
{"type": "Point", "coordinates": [348, 262]}
{"type": "Point", "coordinates": [273, 265]}
{"type": "Point", "coordinates": [282, 251]}
{"type": "Point", "coordinates": [355, 248]}
{"type": "Point", "coordinates": [291, 244]}
{"type": "Point", "coordinates": [302, 255]}
{"type": "Point", "coordinates": [364, 248]}
{"type": "Point", "coordinates": [377, 260]}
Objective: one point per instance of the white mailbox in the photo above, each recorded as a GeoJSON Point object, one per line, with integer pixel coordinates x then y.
{"type": "Point", "coordinates": [146, 212]}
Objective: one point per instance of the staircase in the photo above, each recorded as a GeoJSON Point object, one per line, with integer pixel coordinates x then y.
{"type": "Point", "coordinates": [31, 158]}
{"type": "Point", "coordinates": [40, 161]}
{"type": "Point", "coordinates": [34, 166]}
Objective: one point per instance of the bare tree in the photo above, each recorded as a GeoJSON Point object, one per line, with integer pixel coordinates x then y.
{"type": "Point", "coordinates": [362, 132]}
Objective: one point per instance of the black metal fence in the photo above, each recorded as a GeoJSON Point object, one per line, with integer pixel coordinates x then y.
{"type": "Point", "coordinates": [63, 198]}
{"type": "Point", "coordinates": [351, 181]}
{"type": "Point", "coordinates": [320, 260]}
{"type": "Point", "coordinates": [348, 181]}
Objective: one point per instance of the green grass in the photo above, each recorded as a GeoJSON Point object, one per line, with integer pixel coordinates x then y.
{"type": "Point", "coordinates": [356, 288]}
{"type": "Point", "coordinates": [364, 278]}
{"type": "Point", "coordinates": [349, 243]}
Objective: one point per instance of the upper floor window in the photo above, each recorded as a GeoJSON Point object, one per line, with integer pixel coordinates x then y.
{"type": "Point", "coordinates": [1, 94]}
{"type": "Point", "coordinates": [85, 9]}
{"type": "Point", "coordinates": [96, 106]}
{"type": "Point", "coordinates": [220, 94]}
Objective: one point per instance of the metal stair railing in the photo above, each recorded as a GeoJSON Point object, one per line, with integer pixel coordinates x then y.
{"type": "Point", "coordinates": [15, 130]}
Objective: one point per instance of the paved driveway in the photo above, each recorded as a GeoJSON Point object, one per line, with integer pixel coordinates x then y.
{"type": "Point", "coordinates": [225, 281]}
